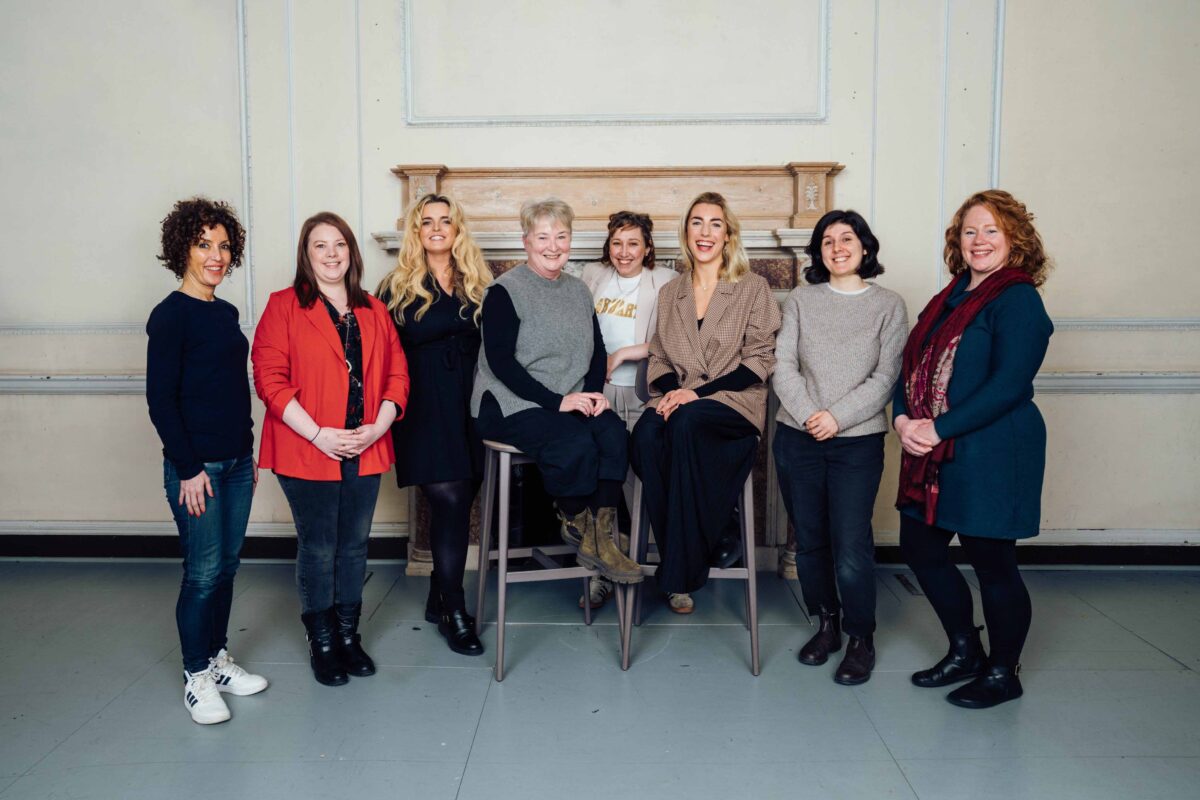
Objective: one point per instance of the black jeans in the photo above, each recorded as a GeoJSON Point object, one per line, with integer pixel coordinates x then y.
{"type": "Point", "coordinates": [572, 451]}
{"type": "Point", "coordinates": [692, 468]}
{"type": "Point", "coordinates": [829, 490]}
{"type": "Point", "coordinates": [333, 523]}
{"type": "Point", "coordinates": [1006, 606]}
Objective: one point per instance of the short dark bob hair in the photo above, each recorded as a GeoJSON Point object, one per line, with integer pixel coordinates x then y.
{"type": "Point", "coordinates": [305, 282]}
{"type": "Point", "coordinates": [630, 219]}
{"type": "Point", "coordinates": [182, 228]}
{"type": "Point", "coordinates": [817, 272]}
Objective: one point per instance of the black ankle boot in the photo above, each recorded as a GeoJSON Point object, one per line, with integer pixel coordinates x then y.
{"type": "Point", "coordinates": [995, 686]}
{"type": "Point", "coordinates": [964, 662]}
{"type": "Point", "coordinates": [827, 639]}
{"type": "Point", "coordinates": [322, 653]}
{"type": "Point", "coordinates": [433, 603]}
{"type": "Point", "coordinates": [458, 628]}
{"type": "Point", "coordinates": [856, 666]}
{"type": "Point", "coordinates": [351, 655]}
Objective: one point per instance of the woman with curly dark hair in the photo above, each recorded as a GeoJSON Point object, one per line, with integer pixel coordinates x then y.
{"type": "Point", "coordinates": [199, 399]}
{"type": "Point", "coordinates": [839, 355]}
{"type": "Point", "coordinates": [974, 442]}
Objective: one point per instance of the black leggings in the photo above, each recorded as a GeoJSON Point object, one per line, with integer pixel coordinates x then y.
{"type": "Point", "coordinates": [1006, 607]}
{"type": "Point", "coordinates": [449, 534]}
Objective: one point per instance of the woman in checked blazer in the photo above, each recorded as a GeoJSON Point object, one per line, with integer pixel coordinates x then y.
{"type": "Point", "coordinates": [711, 355]}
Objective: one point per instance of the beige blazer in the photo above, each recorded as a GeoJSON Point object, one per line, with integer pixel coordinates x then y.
{"type": "Point", "coordinates": [739, 328]}
{"type": "Point", "coordinates": [596, 275]}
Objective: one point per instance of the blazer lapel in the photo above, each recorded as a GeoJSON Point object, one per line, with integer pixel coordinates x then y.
{"type": "Point", "coordinates": [685, 308]}
{"type": "Point", "coordinates": [641, 322]}
{"type": "Point", "coordinates": [318, 317]}
{"type": "Point", "coordinates": [366, 329]}
{"type": "Point", "coordinates": [716, 310]}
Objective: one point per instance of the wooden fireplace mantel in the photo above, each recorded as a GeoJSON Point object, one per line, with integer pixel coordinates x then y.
{"type": "Point", "coordinates": [777, 205]}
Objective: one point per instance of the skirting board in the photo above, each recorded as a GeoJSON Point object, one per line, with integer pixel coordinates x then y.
{"type": "Point", "coordinates": [379, 530]}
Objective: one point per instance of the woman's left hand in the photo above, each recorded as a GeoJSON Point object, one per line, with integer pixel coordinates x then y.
{"type": "Point", "coordinates": [924, 431]}
{"type": "Point", "coordinates": [365, 436]}
{"type": "Point", "coordinates": [822, 426]}
{"type": "Point", "coordinates": [674, 399]}
{"type": "Point", "coordinates": [254, 488]}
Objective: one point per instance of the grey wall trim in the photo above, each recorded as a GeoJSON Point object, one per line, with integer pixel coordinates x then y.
{"type": "Point", "coordinates": [1117, 383]}
{"type": "Point", "coordinates": [1045, 383]}
{"type": "Point", "coordinates": [997, 93]}
{"type": "Point", "coordinates": [1153, 537]}
{"type": "Point", "coordinates": [818, 117]}
{"type": "Point", "coordinates": [1128, 324]}
{"type": "Point", "coordinates": [9, 527]}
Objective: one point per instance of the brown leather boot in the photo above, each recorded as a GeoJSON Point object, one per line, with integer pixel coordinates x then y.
{"type": "Point", "coordinates": [598, 551]}
{"type": "Point", "coordinates": [858, 662]}
{"type": "Point", "coordinates": [571, 528]}
{"type": "Point", "coordinates": [827, 639]}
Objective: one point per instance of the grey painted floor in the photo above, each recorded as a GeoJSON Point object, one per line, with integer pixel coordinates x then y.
{"type": "Point", "coordinates": [90, 698]}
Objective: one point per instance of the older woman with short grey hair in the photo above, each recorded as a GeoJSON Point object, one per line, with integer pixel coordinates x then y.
{"type": "Point", "coordinates": [539, 388]}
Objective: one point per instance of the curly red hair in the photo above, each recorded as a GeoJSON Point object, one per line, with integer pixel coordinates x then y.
{"type": "Point", "coordinates": [1028, 254]}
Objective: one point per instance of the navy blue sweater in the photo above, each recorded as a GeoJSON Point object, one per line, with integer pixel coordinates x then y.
{"type": "Point", "coordinates": [196, 382]}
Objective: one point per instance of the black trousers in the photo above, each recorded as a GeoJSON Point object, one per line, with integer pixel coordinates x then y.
{"type": "Point", "coordinates": [572, 451]}
{"type": "Point", "coordinates": [1006, 607]}
{"type": "Point", "coordinates": [692, 468]}
{"type": "Point", "coordinates": [829, 489]}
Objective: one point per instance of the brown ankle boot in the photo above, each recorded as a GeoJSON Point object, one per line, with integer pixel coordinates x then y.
{"type": "Point", "coordinates": [859, 661]}
{"type": "Point", "coordinates": [571, 528]}
{"type": "Point", "coordinates": [599, 552]}
{"type": "Point", "coordinates": [827, 639]}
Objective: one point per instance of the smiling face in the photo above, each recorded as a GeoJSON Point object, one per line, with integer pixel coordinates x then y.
{"type": "Point", "coordinates": [329, 255]}
{"type": "Point", "coordinates": [438, 230]}
{"type": "Point", "coordinates": [985, 247]}
{"type": "Point", "coordinates": [627, 251]}
{"type": "Point", "coordinates": [841, 250]}
{"type": "Point", "coordinates": [208, 260]}
{"type": "Point", "coordinates": [707, 234]}
{"type": "Point", "coordinates": [547, 246]}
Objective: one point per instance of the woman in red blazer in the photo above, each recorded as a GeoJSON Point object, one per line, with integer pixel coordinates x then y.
{"type": "Point", "coordinates": [330, 370]}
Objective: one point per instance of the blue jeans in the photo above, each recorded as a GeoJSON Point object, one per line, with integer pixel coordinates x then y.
{"type": "Point", "coordinates": [829, 490]}
{"type": "Point", "coordinates": [333, 523]}
{"type": "Point", "coordinates": [211, 545]}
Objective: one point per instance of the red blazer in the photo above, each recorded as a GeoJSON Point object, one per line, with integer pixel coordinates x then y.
{"type": "Point", "coordinates": [297, 353]}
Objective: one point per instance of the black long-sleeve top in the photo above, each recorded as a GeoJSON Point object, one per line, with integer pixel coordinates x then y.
{"type": "Point", "coordinates": [500, 347]}
{"type": "Point", "coordinates": [197, 388]}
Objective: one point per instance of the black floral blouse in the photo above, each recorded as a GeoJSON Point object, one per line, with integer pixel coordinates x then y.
{"type": "Point", "coordinates": [351, 336]}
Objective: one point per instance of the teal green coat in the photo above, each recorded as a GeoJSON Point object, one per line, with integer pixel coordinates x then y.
{"type": "Point", "coordinates": [993, 486]}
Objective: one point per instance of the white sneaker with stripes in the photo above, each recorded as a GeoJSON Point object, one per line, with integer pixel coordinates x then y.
{"type": "Point", "coordinates": [229, 677]}
{"type": "Point", "coordinates": [201, 698]}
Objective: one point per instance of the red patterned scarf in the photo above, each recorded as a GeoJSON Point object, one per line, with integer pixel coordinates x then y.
{"type": "Point", "coordinates": [928, 366]}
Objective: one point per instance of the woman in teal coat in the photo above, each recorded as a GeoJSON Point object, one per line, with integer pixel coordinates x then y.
{"type": "Point", "coordinates": [974, 442]}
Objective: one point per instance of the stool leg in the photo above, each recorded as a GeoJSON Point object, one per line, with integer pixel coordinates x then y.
{"type": "Point", "coordinates": [486, 506]}
{"type": "Point", "coordinates": [502, 573]}
{"type": "Point", "coordinates": [751, 574]}
{"type": "Point", "coordinates": [643, 548]}
{"type": "Point", "coordinates": [587, 600]}
{"type": "Point", "coordinates": [635, 552]}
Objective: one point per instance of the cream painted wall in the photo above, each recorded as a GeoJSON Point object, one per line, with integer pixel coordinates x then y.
{"type": "Point", "coordinates": [286, 107]}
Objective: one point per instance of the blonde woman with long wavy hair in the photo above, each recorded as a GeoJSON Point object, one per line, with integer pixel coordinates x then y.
{"type": "Point", "coordinates": [711, 355]}
{"type": "Point", "coordinates": [434, 295]}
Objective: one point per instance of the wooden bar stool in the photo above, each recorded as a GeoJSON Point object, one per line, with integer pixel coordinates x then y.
{"type": "Point", "coordinates": [639, 548]}
{"type": "Point", "coordinates": [499, 459]}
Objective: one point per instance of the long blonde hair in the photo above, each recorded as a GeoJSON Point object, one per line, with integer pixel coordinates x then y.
{"type": "Point", "coordinates": [734, 261]}
{"type": "Point", "coordinates": [407, 283]}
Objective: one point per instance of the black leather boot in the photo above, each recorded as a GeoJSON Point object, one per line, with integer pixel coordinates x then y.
{"type": "Point", "coordinates": [433, 604]}
{"type": "Point", "coordinates": [350, 653]}
{"type": "Point", "coordinates": [322, 652]}
{"type": "Point", "coordinates": [858, 662]}
{"type": "Point", "coordinates": [995, 686]}
{"type": "Point", "coordinates": [964, 662]}
{"type": "Point", "coordinates": [458, 628]}
{"type": "Point", "coordinates": [827, 639]}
